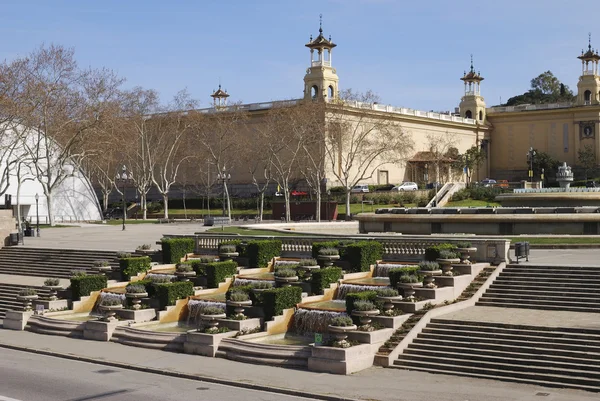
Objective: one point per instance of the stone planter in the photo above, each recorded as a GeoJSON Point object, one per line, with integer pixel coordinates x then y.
{"type": "Point", "coordinates": [211, 322]}
{"type": "Point", "coordinates": [465, 254]}
{"type": "Point", "coordinates": [286, 281]}
{"type": "Point", "coordinates": [446, 265]}
{"type": "Point", "coordinates": [136, 298]}
{"type": "Point", "coordinates": [239, 306]}
{"type": "Point", "coordinates": [185, 276]}
{"type": "Point", "coordinates": [365, 315]}
{"type": "Point", "coordinates": [388, 303]}
{"type": "Point", "coordinates": [409, 290]}
{"type": "Point", "coordinates": [308, 271]}
{"type": "Point", "coordinates": [106, 270]}
{"type": "Point", "coordinates": [53, 291]}
{"type": "Point", "coordinates": [328, 259]}
{"type": "Point", "coordinates": [109, 312]}
{"type": "Point", "coordinates": [341, 333]}
{"type": "Point", "coordinates": [228, 256]}
{"type": "Point", "coordinates": [204, 344]}
{"type": "Point", "coordinates": [27, 301]}
{"type": "Point", "coordinates": [429, 280]}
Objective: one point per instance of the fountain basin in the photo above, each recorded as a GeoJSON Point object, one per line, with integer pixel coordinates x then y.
{"type": "Point", "coordinates": [280, 339]}
{"type": "Point", "coordinates": [375, 281]}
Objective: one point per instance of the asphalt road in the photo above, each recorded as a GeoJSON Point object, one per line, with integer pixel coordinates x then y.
{"type": "Point", "coordinates": [29, 377]}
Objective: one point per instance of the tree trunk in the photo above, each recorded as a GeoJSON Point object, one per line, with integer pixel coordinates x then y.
{"type": "Point", "coordinates": [261, 208]}
{"type": "Point", "coordinates": [105, 195]}
{"type": "Point", "coordinates": [286, 198]}
{"type": "Point", "coordinates": [318, 208]}
{"type": "Point", "coordinates": [184, 208]}
{"type": "Point", "coordinates": [348, 214]}
{"type": "Point", "coordinates": [228, 202]}
{"type": "Point", "coordinates": [144, 202]}
{"type": "Point", "coordinates": [49, 206]}
{"type": "Point", "coordinates": [165, 197]}
{"type": "Point", "coordinates": [19, 218]}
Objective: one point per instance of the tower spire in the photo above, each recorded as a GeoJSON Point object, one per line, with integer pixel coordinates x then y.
{"type": "Point", "coordinates": [321, 24]}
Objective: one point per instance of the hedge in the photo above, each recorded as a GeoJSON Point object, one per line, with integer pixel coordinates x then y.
{"type": "Point", "coordinates": [240, 246]}
{"type": "Point", "coordinates": [362, 254]}
{"type": "Point", "coordinates": [261, 252]}
{"type": "Point", "coordinates": [358, 296]}
{"type": "Point", "coordinates": [395, 274]}
{"type": "Point", "coordinates": [321, 278]}
{"type": "Point", "coordinates": [276, 300]}
{"type": "Point", "coordinates": [216, 272]}
{"type": "Point", "coordinates": [433, 252]}
{"type": "Point", "coordinates": [148, 285]}
{"type": "Point", "coordinates": [174, 249]}
{"type": "Point", "coordinates": [82, 286]}
{"type": "Point", "coordinates": [132, 266]}
{"type": "Point", "coordinates": [169, 293]}
{"type": "Point", "coordinates": [316, 246]}
{"type": "Point", "coordinates": [199, 267]}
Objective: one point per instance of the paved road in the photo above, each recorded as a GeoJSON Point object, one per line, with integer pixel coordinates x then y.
{"type": "Point", "coordinates": [30, 377]}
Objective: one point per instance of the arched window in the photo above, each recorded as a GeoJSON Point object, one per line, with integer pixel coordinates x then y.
{"type": "Point", "coordinates": [587, 97]}
{"type": "Point", "coordinates": [314, 91]}
{"type": "Point", "coordinates": [330, 92]}
{"type": "Point", "coordinates": [468, 114]}
{"type": "Point", "coordinates": [480, 115]}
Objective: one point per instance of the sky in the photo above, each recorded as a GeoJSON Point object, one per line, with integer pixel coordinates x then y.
{"type": "Point", "coordinates": [411, 53]}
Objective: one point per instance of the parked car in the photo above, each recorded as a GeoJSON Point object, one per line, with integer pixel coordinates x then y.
{"type": "Point", "coordinates": [488, 182]}
{"type": "Point", "coordinates": [502, 183]}
{"type": "Point", "coordinates": [298, 193]}
{"type": "Point", "coordinates": [360, 188]}
{"type": "Point", "coordinates": [406, 186]}
{"type": "Point", "coordinates": [384, 188]}
{"type": "Point", "coordinates": [433, 185]}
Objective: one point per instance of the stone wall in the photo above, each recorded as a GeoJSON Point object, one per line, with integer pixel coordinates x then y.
{"type": "Point", "coordinates": [8, 224]}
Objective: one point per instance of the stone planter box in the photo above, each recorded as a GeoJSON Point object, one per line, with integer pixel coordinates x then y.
{"type": "Point", "coordinates": [204, 344]}
{"type": "Point", "coordinates": [371, 337]}
{"type": "Point", "coordinates": [435, 294]}
{"type": "Point", "coordinates": [342, 361]}
{"type": "Point", "coordinates": [412, 307]}
{"type": "Point", "coordinates": [16, 320]}
{"type": "Point", "coordinates": [240, 325]}
{"type": "Point", "coordinates": [137, 315]}
{"type": "Point", "coordinates": [285, 281]}
{"type": "Point", "coordinates": [98, 330]}
{"type": "Point", "coordinates": [55, 305]}
{"type": "Point", "coordinates": [391, 322]}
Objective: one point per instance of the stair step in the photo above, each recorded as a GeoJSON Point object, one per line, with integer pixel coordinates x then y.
{"type": "Point", "coordinates": [533, 301]}
{"type": "Point", "coordinates": [526, 291]}
{"type": "Point", "coordinates": [475, 327]}
{"type": "Point", "coordinates": [541, 307]}
{"type": "Point", "coordinates": [567, 299]}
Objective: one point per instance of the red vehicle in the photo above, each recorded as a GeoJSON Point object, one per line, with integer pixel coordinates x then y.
{"type": "Point", "coordinates": [298, 193]}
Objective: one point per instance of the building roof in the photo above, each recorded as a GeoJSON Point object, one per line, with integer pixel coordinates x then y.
{"type": "Point", "coordinates": [590, 55]}
{"type": "Point", "coordinates": [472, 76]}
{"type": "Point", "coordinates": [427, 157]}
{"type": "Point", "coordinates": [220, 93]}
{"type": "Point", "coordinates": [320, 41]}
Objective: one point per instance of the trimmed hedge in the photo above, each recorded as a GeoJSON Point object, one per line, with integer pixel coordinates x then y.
{"type": "Point", "coordinates": [82, 286]}
{"type": "Point", "coordinates": [276, 300]}
{"type": "Point", "coordinates": [395, 274]}
{"type": "Point", "coordinates": [216, 272]}
{"type": "Point", "coordinates": [199, 267]}
{"type": "Point", "coordinates": [433, 252]}
{"type": "Point", "coordinates": [316, 246]}
{"type": "Point", "coordinates": [169, 293]}
{"type": "Point", "coordinates": [362, 254]}
{"type": "Point", "coordinates": [150, 288]}
{"type": "Point", "coordinates": [261, 252]}
{"type": "Point", "coordinates": [174, 249]}
{"type": "Point", "coordinates": [132, 266]}
{"type": "Point", "coordinates": [321, 278]}
{"type": "Point", "coordinates": [358, 296]}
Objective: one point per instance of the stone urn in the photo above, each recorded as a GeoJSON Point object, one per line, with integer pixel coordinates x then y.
{"type": "Point", "coordinates": [341, 333]}
{"type": "Point", "coordinates": [103, 269]}
{"type": "Point", "coordinates": [286, 281]}
{"type": "Point", "coordinates": [429, 280]}
{"type": "Point", "coordinates": [224, 256]}
{"type": "Point", "coordinates": [239, 306]}
{"type": "Point", "coordinates": [109, 312]}
{"type": "Point", "coordinates": [211, 322]}
{"type": "Point", "coordinates": [136, 298]}
{"type": "Point", "coordinates": [465, 254]}
{"type": "Point", "coordinates": [185, 276]}
{"type": "Point", "coordinates": [52, 296]}
{"type": "Point", "coordinates": [446, 265]}
{"type": "Point", "coordinates": [27, 301]}
{"type": "Point", "coordinates": [365, 315]}
{"type": "Point", "coordinates": [328, 259]}
{"type": "Point", "coordinates": [388, 303]}
{"type": "Point", "coordinates": [409, 290]}
{"type": "Point", "coordinates": [307, 271]}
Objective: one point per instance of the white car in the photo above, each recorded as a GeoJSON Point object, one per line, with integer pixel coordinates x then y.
{"type": "Point", "coordinates": [360, 188]}
{"type": "Point", "coordinates": [406, 186]}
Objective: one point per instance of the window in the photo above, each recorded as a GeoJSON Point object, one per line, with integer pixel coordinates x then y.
{"type": "Point", "coordinates": [315, 91]}
{"type": "Point", "coordinates": [468, 114]}
{"type": "Point", "coordinates": [330, 92]}
{"type": "Point", "coordinates": [587, 97]}
{"type": "Point", "coordinates": [480, 115]}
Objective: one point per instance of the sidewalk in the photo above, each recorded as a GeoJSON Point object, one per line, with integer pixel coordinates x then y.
{"type": "Point", "coordinates": [371, 384]}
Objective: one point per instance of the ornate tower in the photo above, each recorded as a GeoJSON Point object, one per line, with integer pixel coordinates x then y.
{"type": "Point", "coordinates": [588, 87]}
{"type": "Point", "coordinates": [321, 81]}
{"type": "Point", "coordinates": [472, 104]}
{"type": "Point", "coordinates": [219, 98]}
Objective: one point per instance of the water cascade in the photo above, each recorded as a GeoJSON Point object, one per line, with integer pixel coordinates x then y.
{"type": "Point", "coordinates": [196, 306]}
{"type": "Point", "coordinates": [382, 269]}
{"type": "Point", "coordinates": [345, 289]}
{"type": "Point", "coordinates": [313, 320]}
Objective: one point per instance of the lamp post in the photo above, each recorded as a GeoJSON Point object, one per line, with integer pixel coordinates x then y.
{"type": "Point", "coordinates": [223, 177]}
{"type": "Point", "coordinates": [123, 178]}
{"type": "Point", "coordinates": [530, 155]}
{"type": "Point", "coordinates": [37, 214]}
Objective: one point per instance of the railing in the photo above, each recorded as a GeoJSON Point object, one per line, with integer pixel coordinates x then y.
{"type": "Point", "coordinates": [589, 72]}
{"type": "Point", "coordinates": [317, 63]}
{"type": "Point", "coordinates": [528, 107]}
{"type": "Point", "coordinates": [553, 190]}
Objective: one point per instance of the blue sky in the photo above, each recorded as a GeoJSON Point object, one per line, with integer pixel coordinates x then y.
{"type": "Point", "coordinates": [412, 53]}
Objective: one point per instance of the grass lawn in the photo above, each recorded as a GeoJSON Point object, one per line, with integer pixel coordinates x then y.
{"type": "Point", "coordinates": [251, 231]}
{"type": "Point", "coordinates": [472, 203]}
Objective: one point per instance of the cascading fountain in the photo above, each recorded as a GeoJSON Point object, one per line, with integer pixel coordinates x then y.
{"type": "Point", "coordinates": [313, 320]}
{"type": "Point", "coordinates": [382, 269]}
{"type": "Point", "coordinates": [196, 306]}
{"type": "Point", "coordinates": [345, 289]}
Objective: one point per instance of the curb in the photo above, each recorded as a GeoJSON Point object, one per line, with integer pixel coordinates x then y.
{"type": "Point", "coordinates": [561, 246]}
{"type": "Point", "coordinates": [180, 375]}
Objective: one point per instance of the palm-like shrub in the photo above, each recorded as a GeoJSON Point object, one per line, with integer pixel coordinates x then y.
{"type": "Point", "coordinates": [428, 266]}
{"type": "Point", "coordinates": [27, 292]}
{"type": "Point", "coordinates": [341, 321]}
{"type": "Point", "coordinates": [307, 262]}
{"type": "Point", "coordinates": [51, 282]}
{"type": "Point", "coordinates": [285, 273]}
{"type": "Point", "coordinates": [328, 252]}
{"type": "Point", "coordinates": [135, 289]}
{"type": "Point", "coordinates": [239, 296]}
{"type": "Point", "coordinates": [387, 292]}
{"type": "Point", "coordinates": [364, 306]}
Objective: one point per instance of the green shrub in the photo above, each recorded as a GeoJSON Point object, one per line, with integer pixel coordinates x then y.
{"type": "Point", "coordinates": [148, 285]}
{"type": "Point", "coordinates": [321, 278]}
{"type": "Point", "coordinates": [135, 289]}
{"type": "Point", "coordinates": [433, 252]}
{"type": "Point", "coordinates": [316, 246]}
{"type": "Point", "coordinates": [429, 266]}
{"type": "Point", "coordinates": [199, 266]}
{"type": "Point", "coordinates": [362, 254]}
{"type": "Point", "coordinates": [82, 286]}
{"type": "Point", "coordinates": [448, 254]}
{"type": "Point", "coordinates": [261, 252]}
{"type": "Point", "coordinates": [358, 296]}
{"type": "Point", "coordinates": [132, 266]}
{"type": "Point", "coordinates": [240, 247]}
{"type": "Point", "coordinates": [174, 249]}
{"type": "Point", "coordinates": [216, 272]}
{"type": "Point", "coordinates": [285, 273]}
{"type": "Point", "coordinates": [27, 292]}
{"type": "Point", "coordinates": [307, 262]}
{"type": "Point", "coordinates": [52, 282]}
{"type": "Point", "coordinates": [463, 244]}
{"type": "Point", "coordinates": [277, 299]}
{"type": "Point", "coordinates": [410, 279]}
{"type": "Point", "coordinates": [364, 306]}
{"type": "Point", "coordinates": [239, 296]}
{"type": "Point", "coordinates": [329, 252]}
{"type": "Point", "coordinates": [227, 248]}
{"type": "Point", "coordinates": [341, 321]}
{"type": "Point", "coordinates": [387, 292]}
{"type": "Point", "coordinates": [395, 274]}
{"type": "Point", "coordinates": [184, 268]}
{"type": "Point", "coordinates": [168, 294]}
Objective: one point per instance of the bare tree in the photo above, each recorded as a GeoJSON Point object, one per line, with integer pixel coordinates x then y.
{"type": "Point", "coordinates": [360, 141]}
{"type": "Point", "coordinates": [442, 151]}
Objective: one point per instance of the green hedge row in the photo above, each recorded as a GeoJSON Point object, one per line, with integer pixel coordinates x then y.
{"type": "Point", "coordinates": [432, 253]}
{"type": "Point", "coordinates": [358, 296]}
{"type": "Point", "coordinates": [362, 254]}
{"type": "Point", "coordinates": [132, 266]}
{"type": "Point", "coordinates": [174, 249]}
{"type": "Point", "coordinates": [275, 300]}
{"type": "Point", "coordinates": [169, 293]}
{"type": "Point", "coordinates": [216, 272]}
{"type": "Point", "coordinates": [321, 278]}
{"type": "Point", "coordinates": [82, 286]}
{"type": "Point", "coordinates": [395, 274]}
{"type": "Point", "coordinates": [261, 252]}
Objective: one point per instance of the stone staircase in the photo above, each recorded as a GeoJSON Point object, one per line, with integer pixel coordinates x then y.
{"type": "Point", "coordinates": [8, 297]}
{"type": "Point", "coordinates": [573, 288]}
{"type": "Point", "coordinates": [295, 356]}
{"type": "Point", "coordinates": [47, 262]}
{"type": "Point", "coordinates": [540, 355]}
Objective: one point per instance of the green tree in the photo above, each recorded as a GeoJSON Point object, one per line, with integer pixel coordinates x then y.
{"type": "Point", "coordinates": [545, 88]}
{"type": "Point", "coordinates": [587, 159]}
{"type": "Point", "coordinates": [471, 159]}
{"type": "Point", "coordinates": [543, 160]}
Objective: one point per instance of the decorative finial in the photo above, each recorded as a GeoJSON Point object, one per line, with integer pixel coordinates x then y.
{"type": "Point", "coordinates": [330, 38]}
{"type": "Point", "coordinates": [590, 40]}
{"type": "Point", "coordinates": [310, 38]}
{"type": "Point", "coordinates": [321, 23]}
{"type": "Point", "coordinates": [471, 63]}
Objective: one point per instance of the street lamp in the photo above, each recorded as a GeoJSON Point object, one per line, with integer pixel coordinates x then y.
{"type": "Point", "coordinates": [37, 214]}
{"type": "Point", "coordinates": [530, 155]}
{"type": "Point", "coordinates": [223, 177]}
{"type": "Point", "coordinates": [123, 178]}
